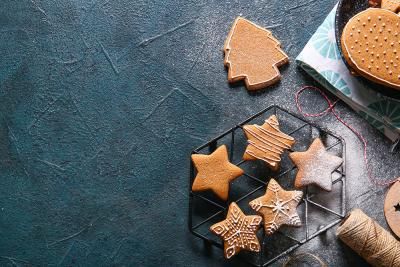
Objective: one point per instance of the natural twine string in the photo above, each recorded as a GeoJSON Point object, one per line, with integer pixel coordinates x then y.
{"type": "Point", "coordinates": [331, 108]}
{"type": "Point", "coordinates": [366, 237]}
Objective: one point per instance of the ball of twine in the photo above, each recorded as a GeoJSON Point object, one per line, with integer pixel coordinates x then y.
{"type": "Point", "coordinates": [366, 237]}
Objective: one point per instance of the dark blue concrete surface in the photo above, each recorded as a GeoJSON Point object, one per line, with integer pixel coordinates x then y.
{"type": "Point", "coordinates": [101, 103]}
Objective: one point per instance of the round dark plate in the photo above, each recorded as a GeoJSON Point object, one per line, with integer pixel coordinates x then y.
{"type": "Point", "coordinates": [345, 11]}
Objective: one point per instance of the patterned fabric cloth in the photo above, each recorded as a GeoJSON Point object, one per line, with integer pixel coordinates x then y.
{"type": "Point", "coordinates": [321, 59]}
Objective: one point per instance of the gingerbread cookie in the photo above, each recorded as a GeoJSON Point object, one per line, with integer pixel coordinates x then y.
{"type": "Point", "coordinates": [392, 5]}
{"type": "Point", "coordinates": [252, 54]}
{"type": "Point", "coordinates": [266, 142]}
{"type": "Point", "coordinates": [277, 207]}
{"type": "Point", "coordinates": [238, 231]}
{"type": "Point", "coordinates": [374, 3]}
{"type": "Point", "coordinates": [315, 166]}
{"type": "Point", "coordinates": [392, 208]}
{"type": "Point", "coordinates": [371, 46]}
{"type": "Point", "coordinates": [215, 172]}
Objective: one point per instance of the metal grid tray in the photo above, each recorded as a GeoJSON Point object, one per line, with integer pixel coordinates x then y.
{"type": "Point", "coordinates": [319, 210]}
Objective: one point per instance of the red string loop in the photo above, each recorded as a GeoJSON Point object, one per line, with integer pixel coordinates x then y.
{"type": "Point", "coordinates": [331, 109]}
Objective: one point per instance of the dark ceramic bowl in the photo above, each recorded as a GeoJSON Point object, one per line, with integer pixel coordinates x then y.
{"type": "Point", "coordinates": [345, 11]}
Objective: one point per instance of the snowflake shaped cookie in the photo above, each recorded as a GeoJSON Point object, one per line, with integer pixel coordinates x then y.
{"type": "Point", "coordinates": [277, 207]}
{"type": "Point", "coordinates": [238, 231]}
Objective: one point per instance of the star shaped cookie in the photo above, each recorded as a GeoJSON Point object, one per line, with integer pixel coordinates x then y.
{"type": "Point", "coordinates": [238, 231]}
{"type": "Point", "coordinates": [315, 166]}
{"type": "Point", "coordinates": [277, 207]}
{"type": "Point", "coordinates": [215, 172]}
{"type": "Point", "coordinates": [266, 142]}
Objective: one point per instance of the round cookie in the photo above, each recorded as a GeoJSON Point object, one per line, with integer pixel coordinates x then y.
{"type": "Point", "coordinates": [392, 208]}
{"type": "Point", "coordinates": [371, 46]}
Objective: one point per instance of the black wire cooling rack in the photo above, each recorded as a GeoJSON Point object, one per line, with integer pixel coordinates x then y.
{"type": "Point", "coordinates": [319, 210]}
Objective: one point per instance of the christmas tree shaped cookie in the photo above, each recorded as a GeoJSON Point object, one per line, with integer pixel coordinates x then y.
{"type": "Point", "coordinates": [252, 54]}
{"type": "Point", "coordinates": [266, 142]}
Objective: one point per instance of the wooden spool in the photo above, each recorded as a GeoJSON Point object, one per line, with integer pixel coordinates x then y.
{"type": "Point", "coordinates": [392, 208]}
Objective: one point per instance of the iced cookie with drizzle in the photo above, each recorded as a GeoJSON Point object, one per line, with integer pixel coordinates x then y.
{"type": "Point", "coordinates": [315, 166]}
{"type": "Point", "coordinates": [277, 207]}
{"type": "Point", "coordinates": [266, 142]}
{"type": "Point", "coordinates": [371, 45]}
{"type": "Point", "coordinates": [238, 231]}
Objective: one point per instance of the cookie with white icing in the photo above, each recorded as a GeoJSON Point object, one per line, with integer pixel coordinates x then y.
{"type": "Point", "coordinates": [371, 46]}
{"type": "Point", "coordinates": [238, 231]}
{"type": "Point", "coordinates": [277, 207]}
{"type": "Point", "coordinates": [266, 142]}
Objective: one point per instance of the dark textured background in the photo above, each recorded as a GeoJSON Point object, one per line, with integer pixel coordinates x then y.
{"type": "Point", "coordinates": [101, 103]}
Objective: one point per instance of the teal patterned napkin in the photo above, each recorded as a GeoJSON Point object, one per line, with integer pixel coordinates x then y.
{"type": "Point", "coordinates": [321, 59]}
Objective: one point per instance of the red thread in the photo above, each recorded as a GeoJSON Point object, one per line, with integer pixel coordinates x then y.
{"type": "Point", "coordinates": [331, 108]}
